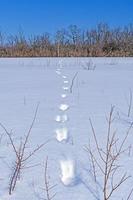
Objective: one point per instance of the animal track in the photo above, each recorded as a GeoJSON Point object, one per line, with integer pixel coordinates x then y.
{"type": "Point", "coordinates": [65, 88]}
{"type": "Point", "coordinates": [64, 77]}
{"type": "Point", "coordinates": [58, 72]}
{"type": "Point", "coordinates": [58, 118]}
{"type": "Point", "coordinates": [64, 107]}
{"type": "Point", "coordinates": [66, 82]}
{"type": "Point", "coordinates": [63, 95]}
{"type": "Point", "coordinates": [67, 166]}
{"type": "Point", "coordinates": [68, 172]}
{"type": "Point", "coordinates": [62, 134]}
{"type": "Point", "coordinates": [61, 118]}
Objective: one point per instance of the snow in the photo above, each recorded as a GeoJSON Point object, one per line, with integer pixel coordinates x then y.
{"type": "Point", "coordinates": [64, 77]}
{"type": "Point", "coordinates": [63, 120]}
{"type": "Point", "coordinates": [63, 95]}
{"type": "Point", "coordinates": [63, 107]}
{"type": "Point", "coordinates": [61, 134]}
{"type": "Point", "coordinates": [66, 82]}
{"type": "Point", "coordinates": [65, 88]}
{"type": "Point", "coordinates": [67, 172]}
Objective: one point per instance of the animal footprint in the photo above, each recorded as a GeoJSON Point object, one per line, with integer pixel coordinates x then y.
{"type": "Point", "coordinates": [64, 77]}
{"type": "Point", "coordinates": [63, 107]}
{"type": "Point", "coordinates": [65, 82]}
{"type": "Point", "coordinates": [58, 118]}
{"type": "Point", "coordinates": [62, 118]}
{"type": "Point", "coordinates": [62, 134]}
{"type": "Point", "coordinates": [58, 72]}
{"type": "Point", "coordinates": [68, 172]}
{"type": "Point", "coordinates": [65, 88]}
{"type": "Point", "coordinates": [63, 95]}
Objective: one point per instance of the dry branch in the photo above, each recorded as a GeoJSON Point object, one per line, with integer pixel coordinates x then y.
{"type": "Point", "coordinates": [47, 187]}
{"type": "Point", "coordinates": [130, 103]}
{"type": "Point", "coordinates": [72, 83]}
{"type": "Point", "coordinates": [107, 160]}
{"type": "Point", "coordinates": [20, 154]}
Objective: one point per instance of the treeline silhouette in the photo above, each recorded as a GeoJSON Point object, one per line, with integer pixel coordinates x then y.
{"type": "Point", "coordinates": [72, 41]}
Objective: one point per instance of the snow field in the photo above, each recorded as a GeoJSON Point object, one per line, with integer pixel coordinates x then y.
{"type": "Point", "coordinates": [63, 119]}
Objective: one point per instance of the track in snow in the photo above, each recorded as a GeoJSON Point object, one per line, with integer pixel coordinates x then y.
{"type": "Point", "coordinates": [67, 166]}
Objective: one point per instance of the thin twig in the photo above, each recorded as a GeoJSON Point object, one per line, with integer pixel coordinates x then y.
{"type": "Point", "coordinates": [71, 87]}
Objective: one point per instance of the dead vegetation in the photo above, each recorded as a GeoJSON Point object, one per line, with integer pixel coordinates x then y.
{"type": "Point", "coordinates": [72, 83]}
{"type": "Point", "coordinates": [22, 155]}
{"type": "Point", "coordinates": [71, 42]}
{"type": "Point", "coordinates": [106, 159]}
{"type": "Point", "coordinates": [47, 185]}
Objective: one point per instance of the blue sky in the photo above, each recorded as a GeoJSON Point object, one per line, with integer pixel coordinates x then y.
{"type": "Point", "coordinates": [38, 16]}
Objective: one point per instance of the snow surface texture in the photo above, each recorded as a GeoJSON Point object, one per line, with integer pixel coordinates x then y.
{"type": "Point", "coordinates": [63, 119]}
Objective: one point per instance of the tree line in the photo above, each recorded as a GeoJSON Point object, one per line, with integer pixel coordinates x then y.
{"type": "Point", "coordinates": [72, 41]}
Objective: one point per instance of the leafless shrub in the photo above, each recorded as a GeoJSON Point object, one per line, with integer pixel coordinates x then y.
{"type": "Point", "coordinates": [71, 42]}
{"type": "Point", "coordinates": [21, 156]}
{"type": "Point", "coordinates": [89, 65]}
{"type": "Point", "coordinates": [106, 159]}
{"type": "Point", "coordinates": [113, 62]}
